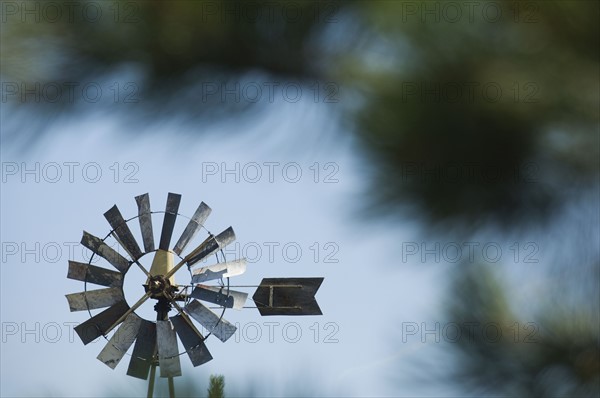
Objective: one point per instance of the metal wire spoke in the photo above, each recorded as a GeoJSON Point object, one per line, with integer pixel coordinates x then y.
{"type": "Point", "coordinates": [129, 311]}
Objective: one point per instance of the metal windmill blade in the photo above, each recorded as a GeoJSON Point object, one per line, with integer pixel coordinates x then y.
{"type": "Point", "coordinates": [219, 271]}
{"type": "Point", "coordinates": [155, 342]}
{"type": "Point", "coordinates": [220, 295]}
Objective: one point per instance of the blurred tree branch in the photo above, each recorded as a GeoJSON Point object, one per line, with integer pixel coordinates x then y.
{"type": "Point", "coordinates": [216, 388]}
{"type": "Point", "coordinates": [557, 355]}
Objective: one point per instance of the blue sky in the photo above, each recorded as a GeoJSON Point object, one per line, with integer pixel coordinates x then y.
{"type": "Point", "coordinates": [311, 222]}
{"type": "Point", "coordinates": [260, 176]}
{"type": "Point", "coordinates": [290, 178]}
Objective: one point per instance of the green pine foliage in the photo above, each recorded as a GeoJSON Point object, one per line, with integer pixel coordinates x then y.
{"type": "Point", "coordinates": [216, 388]}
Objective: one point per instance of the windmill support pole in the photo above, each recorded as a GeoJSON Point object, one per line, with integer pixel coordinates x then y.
{"type": "Point", "coordinates": [171, 388]}
{"type": "Point", "coordinates": [151, 381]}
{"type": "Point", "coordinates": [162, 309]}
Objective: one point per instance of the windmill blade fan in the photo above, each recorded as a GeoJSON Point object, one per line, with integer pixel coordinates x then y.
{"type": "Point", "coordinates": [98, 325]}
{"type": "Point", "coordinates": [195, 224]}
{"type": "Point", "coordinates": [145, 218]}
{"type": "Point", "coordinates": [143, 351]}
{"type": "Point", "coordinates": [168, 352]}
{"type": "Point", "coordinates": [117, 346]}
{"type": "Point", "coordinates": [97, 246]}
{"type": "Point", "coordinates": [93, 299]}
{"type": "Point", "coordinates": [211, 245]}
{"type": "Point", "coordinates": [219, 271]}
{"type": "Point", "coordinates": [212, 294]}
{"type": "Point", "coordinates": [96, 275]}
{"type": "Point", "coordinates": [122, 232]}
{"type": "Point", "coordinates": [155, 342]}
{"type": "Point", "coordinates": [222, 329]}
{"type": "Point", "coordinates": [192, 341]}
{"type": "Point", "coordinates": [173, 201]}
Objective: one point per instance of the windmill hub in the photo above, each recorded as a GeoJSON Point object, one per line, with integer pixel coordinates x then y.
{"type": "Point", "coordinates": [160, 287]}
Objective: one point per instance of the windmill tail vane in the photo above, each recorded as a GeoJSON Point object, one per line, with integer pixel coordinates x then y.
{"type": "Point", "coordinates": [156, 340]}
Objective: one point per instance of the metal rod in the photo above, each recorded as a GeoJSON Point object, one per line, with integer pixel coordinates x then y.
{"type": "Point", "coordinates": [114, 235]}
{"type": "Point", "coordinates": [176, 268]}
{"type": "Point", "coordinates": [217, 307]}
{"type": "Point", "coordinates": [129, 311]}
{"type": "Point", "coordinates": [299, 286]}
{"type": "Point", "coordinates": [279, 308]}
{"type": "Point", "coordinates": [162, 309]}
{"type": "Point", "coordinates": [151, 381]}
{"type": "Point", "coordinates": [171, 388]}
{"type": "Point", "coordinates": [244, 285]}
{"type": "Point", "coordinates": [187, 319]}
{"type": "Point", "coordinates": [142, 268]}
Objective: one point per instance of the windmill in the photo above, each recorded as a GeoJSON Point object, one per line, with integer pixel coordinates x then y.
{"type": "Point", "coordinates": [156, 341]}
